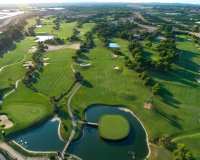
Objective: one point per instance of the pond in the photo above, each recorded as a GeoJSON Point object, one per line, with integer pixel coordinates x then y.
{"type": "Point", "coordinates": [43, 138]}
{"type": "Point", "coordinates": [42, 38]}
{"type": "Point", "coordinates": [90, 146]}
{"type": "Point", "coordinates": [114, 45]}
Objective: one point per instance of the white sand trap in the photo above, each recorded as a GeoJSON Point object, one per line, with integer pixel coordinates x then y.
{"type": "Point", "coordinates": [115, 67]}
{"type": "Point", "coordinates": [28, 64]}
{"type": "Point", "coordinates": [45, 58]}
{"type": "Point", "coordinates": [114, 56]}
{"type": "Point", "coordinates": [73, 46]}
{"type": "Point", "coordinates": [38, 26]}
{"type": "Point", "coordinates": [32, 49]}
{"type": "Point", "coordinates": [85, 64]}
{"type": "Point", "coordinates": [45, 64]}
{"type": "Point", "coordinates": [5, 122]}
{"type": "Point", "coordinates": [198, 80]}
{"type": "Point", "coordinates": [148, 105]}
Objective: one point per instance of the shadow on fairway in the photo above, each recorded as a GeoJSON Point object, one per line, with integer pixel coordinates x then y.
{"type": "Point", "coordinates": [172, 119]}
{"type": "Point", "coordinates": [168, 99]}
{"type": "Point", "coordinates": [87, 84]}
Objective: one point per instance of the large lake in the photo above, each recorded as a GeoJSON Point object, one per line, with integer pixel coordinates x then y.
{"type": "Point", "coordinates": [90, 146]}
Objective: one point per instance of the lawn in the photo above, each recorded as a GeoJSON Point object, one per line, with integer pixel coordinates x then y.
{"type": "Point", "coordinates": [84, 29]}
{"type": "Point", "coordinates": [192, 141]}
{"type": "Point", "coordinates": [113, 127]}
{"type": "Point", "coordinates": [176, 111]}
{"type": "Point", "coordinates": [26, 107]}
{"type": "Point", "coordinates": [65, 31]}
{"type": "Point", "coordinates": [31, 22]}
{"type": "Point", "coordinates": [57, 77]}
{"type": "Point", "coordinates": [14, 72]}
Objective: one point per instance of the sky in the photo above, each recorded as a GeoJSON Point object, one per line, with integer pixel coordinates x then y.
{"type": "Point", "coordinates": [78, 1]}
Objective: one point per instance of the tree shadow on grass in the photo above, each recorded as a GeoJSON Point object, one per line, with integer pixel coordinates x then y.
{"type": "Point", "coordinates": [62, 95]}
{"type": "Point", "coordinates": [172, 119]}
{"type": "Point", "coordinates": [185, 71]}
{"type": "Point", "coordinates": [168, 99]}
{"type": "Point", "coordinates": [87, 84]}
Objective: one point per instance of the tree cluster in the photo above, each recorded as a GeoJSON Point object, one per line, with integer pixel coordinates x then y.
{"type": "Point", "coordinates": [86, 45]}
{"type": "Point", "coordinates": [168, 55]}
{"type": "Point", "coordinates": [8, 37]}
{"type": "Point", "coordinates": [55, 41]}
{"type": "Point", "coordinates": [31, 74]}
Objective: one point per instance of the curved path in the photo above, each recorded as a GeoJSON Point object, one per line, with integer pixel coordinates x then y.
{"type": "Point", "coordinates": [15, 154]}
{"type": "Point", "coordinates": [74, 122]}
{"type": "Point", "coordinates": [17, 82]}
{"type": "Point", "coordinates": [72, 67]}
{"type": "Point", "coordinates": [13, 63]}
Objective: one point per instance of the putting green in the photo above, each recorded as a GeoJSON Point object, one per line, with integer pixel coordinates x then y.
{"type": "Point", "coordinates": [113, 127]}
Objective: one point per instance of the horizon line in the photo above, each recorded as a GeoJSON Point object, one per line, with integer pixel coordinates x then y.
{"type": "Point", "coordinates": [98, 2]}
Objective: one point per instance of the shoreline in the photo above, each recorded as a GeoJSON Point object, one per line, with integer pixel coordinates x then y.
{"type": "Point", "coordinates": [125, 110]}
{"type": "Point", "coordinates": [147, 136]}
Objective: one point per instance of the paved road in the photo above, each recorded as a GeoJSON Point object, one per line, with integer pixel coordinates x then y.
{"type": "Point", "coordinates": [74, 122]}
{"type": "Point", "coordinates": [18, 155]}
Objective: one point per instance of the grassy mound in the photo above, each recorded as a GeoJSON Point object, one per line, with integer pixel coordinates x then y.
{"type": "Point", "coordinates": [113, 127]}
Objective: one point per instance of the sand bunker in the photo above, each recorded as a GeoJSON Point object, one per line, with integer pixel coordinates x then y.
{"type": "Point", "coordinates": [5, 122]}
{"type": "Point", "coordinates": [73, 46]}
{"type": "Point", "coordinates": [85, 64]}
{"type": "Point", "coordinates": [32, 49]}
{"type": "Point", "coordinates": [28, 64]}
{"type": "Point", "coordinates": [45, 64]}
{"type": "Point", "coordinates": [45, 58]}
{"type": "Point", "coordinates": [148, 105]}
{"type": "Point", "coordinates": [114, 56]}
{"type": "Point", "coordinates": [115, 67]}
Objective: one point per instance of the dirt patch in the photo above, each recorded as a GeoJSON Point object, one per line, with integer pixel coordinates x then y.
{"type": "Point", "coordinates": [28, 64]}
{"type": "Point", "coordinates": [73, 46]}
{"type": "Point", "coordinates": [5, 122]}
{"type": "Point", "coordinates": [32, 49]}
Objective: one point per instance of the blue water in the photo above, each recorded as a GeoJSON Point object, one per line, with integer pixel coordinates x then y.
{"type": "Point", "coordinates": [92, 147]}
{"type": "Point", "coordinates": [43, 138]}
{"type": "Point", "coordinates": [114, 45]}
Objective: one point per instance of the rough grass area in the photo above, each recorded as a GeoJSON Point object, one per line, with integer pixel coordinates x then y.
{"type": "Point", "coordinates": [113, 127]}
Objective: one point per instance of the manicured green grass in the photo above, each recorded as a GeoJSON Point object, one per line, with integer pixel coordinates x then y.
{"type": "Point", "coordinates": [65, 31]}
{"type": "Point", "coordinates": [26, 107]}
{"type": "Point", "coordinates": [84, 29]}
{"type": "Point", "coordinates": [16, 71]}
{"type": "Point", "coordinates": [123, 45]}
{"type": "Point", "coordinates": [57, 77]}
{"type": "Point", "coordinates": [175, 112]}
{"type": "Point", "coordinates": [113, 127]}
{"type": "Point", "coordinates": [31, 22]}
{"type": "Point", "coordinates": [192, 141]}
